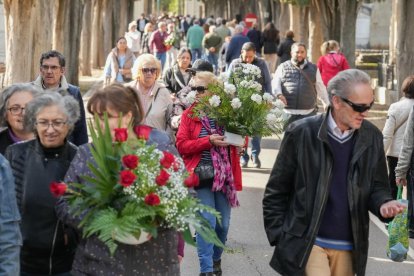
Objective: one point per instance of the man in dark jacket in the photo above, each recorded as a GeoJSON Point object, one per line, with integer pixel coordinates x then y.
{"type": "Point", "coordinates": [248, 55]}
{"type": "Point", "coordinates": [330, 171]}
{"type": "Point", "coordinates": [52, 79]}
{"type": "Point", "coordinates": [234, 48]}
{"type": "Point", "coordinates": [283, 51]}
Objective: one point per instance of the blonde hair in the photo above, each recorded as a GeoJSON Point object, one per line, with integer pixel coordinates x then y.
{"type": "Point", "coordinates": [206, 77]}
{"type": "Point", "coordinates": [139, 64]}
{"type": "Point", "coordinates": [330, 45]}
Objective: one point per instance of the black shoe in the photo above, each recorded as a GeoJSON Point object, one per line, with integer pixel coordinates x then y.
{"type": "Point", "coordinates": [217, 268]}
{"type": "Point", "coordinates": [256, 162]}
{"type": "Point", "coordinates": [206, 274]}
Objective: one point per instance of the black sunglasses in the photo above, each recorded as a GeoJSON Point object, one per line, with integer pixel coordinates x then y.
{"type": "Point", "coordinates": [199, 89]}
{"type": "Point", "coordinates": [149, 70]}
{"type": "Point", "coordinates": [358, 107]}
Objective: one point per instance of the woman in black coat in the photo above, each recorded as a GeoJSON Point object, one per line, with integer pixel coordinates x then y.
{"type": "Point", "coordinates": [177, 77]}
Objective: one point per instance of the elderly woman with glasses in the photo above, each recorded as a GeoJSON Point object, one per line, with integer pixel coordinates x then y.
{"type": "Point", "coordinates": [201, 144]}
{"type": "Point", "coordinates": [13, 102]}
{"type": "Point", "coordinates": [48, 244]}
{"type": "Point", "coordinates": [155, 97]}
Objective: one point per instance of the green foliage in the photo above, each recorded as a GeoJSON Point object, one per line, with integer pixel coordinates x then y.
{"type": "Point", "coordinates": [112, 211]}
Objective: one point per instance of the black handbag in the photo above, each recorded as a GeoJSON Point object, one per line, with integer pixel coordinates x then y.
{"type": "Point", "coordinates": [204, 171]}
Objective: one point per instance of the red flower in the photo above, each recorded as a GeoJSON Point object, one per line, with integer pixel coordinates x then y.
{"type": "Point", "coordinates": [192, 180]}
{"type": "Point", "coordinates": [58, 188]}
{"type": "Point", "coordinates": [152, 199]}
{"type": "Point", "coordinates": [162, 178]}
{"type": "Point", "coordinates": [176, 166]}
{"type": "Point", "coordinates": [121, 134]}
{"type": "Point", "coordinates": [142, 131]}
{"type": "Point", "coordinates": [167, 160]}
{"type": "Point", "coordinates": [127, 178]}
{"type": "Point", "coordinates": [130, 161]}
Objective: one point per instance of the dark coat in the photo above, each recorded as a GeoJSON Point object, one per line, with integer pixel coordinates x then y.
{"type": "Point", "coordinates": [48, 244]}
{"type": "Point", "coordinates": [233, 50]}
{"type": "Point", "coordinates": [283, 51]}
{"type": "Point", "coordinates": [173, 79]}
{"type": "Point", "coordinates": [79, 135]}
{"type": "Point", "coordinates": [5, 140]}
{"type": "Point", "coordinates": [297, 191]}
{"type": "Point", "coordinates": [157, 256]}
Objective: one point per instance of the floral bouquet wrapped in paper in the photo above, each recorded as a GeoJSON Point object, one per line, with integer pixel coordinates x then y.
{"type": "Point", "coordinates": [240, 106]}
{"type": "Point", "coordinates": [135, 190]}
{"type": "Point", "coordinates": [170, 40]}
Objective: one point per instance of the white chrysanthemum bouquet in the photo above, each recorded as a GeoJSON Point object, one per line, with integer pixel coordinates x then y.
{"type": "Point", "coordinates": [239, 105]}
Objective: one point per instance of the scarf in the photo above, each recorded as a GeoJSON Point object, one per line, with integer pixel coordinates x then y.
{"type": "Point", "coordinates": [223, 175]}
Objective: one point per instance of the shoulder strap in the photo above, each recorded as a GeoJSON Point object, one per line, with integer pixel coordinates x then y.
{"type": "Point", "coordinates": [153, 100]}
{"type": "Point", "coordinates": [307, 79]}
{"type": "Point", "coordinates": [178, 79]}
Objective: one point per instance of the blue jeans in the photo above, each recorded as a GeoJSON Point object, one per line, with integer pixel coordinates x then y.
{"type": "Point", "coordinates": [213, 59]}
{"type": "Point", "coordinates": [207, 252]}
{"type": "Point", "coordinates": [255, 140]}
{"type": "Point", "coordinates": [196, 54]}
{"type": "Point", "coordinates": [162, 57]}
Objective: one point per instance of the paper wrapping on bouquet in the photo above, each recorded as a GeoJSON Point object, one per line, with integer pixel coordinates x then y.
{"type": "Point", "coordinates": [233, 139]}
{"type": "Point", "coordinates": [131, 239]}
{"type": "Point", "coordinates": [398, 241]}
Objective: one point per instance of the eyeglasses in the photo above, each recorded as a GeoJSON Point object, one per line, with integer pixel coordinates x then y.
{"type": "Point", "coordinates": [358, 107]}
{"type": "Point", "coordinates": [47, 67]}
{"type": "Point", "coordinates": [199, 89]}
{"type": "Point", "coordinates": [56, 125]}
{"type": "Point", "coordinates": [149, 70]}
{"type": "Point", "coordinates": [16, 110]}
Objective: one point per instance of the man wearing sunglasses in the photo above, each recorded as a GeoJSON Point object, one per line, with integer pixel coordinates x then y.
{"type": "Point", "coordinates": [330, 171]}
{"type": "Point", "coordinates": [248, 55]}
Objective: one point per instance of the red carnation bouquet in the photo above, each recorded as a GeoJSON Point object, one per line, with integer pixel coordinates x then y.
{"type": "Point", "coordinates": [135, 190]}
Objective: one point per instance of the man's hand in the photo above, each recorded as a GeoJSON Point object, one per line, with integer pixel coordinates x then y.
{"type": "Point", "coordinates": [401, 181]}
{"type": "Point", "coordinates": [282, 99]}
{"type": "Point", "coordinates": [212, 49]}
{"type": "Point", "coordinates": [391, 208]}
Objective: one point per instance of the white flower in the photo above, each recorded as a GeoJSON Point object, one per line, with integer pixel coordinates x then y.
{"type": "Point", "coordinates": [214, 101]}
{"type": "Point", "coordinates": [256, 98]}
{"type": "Point", "coordinates": [230, 89]}
{"type": "Point", "coordinates": [267, 97]}
{"type": "Point", "coordinates": [271, 119]}
{"type": "Point", "coordinates": [191, 97]}
{"type": "Point", "coordinates": [250, 69]}
{"type": "Point", "coordinates": [224, 77]}
{"type": "Point", "coordinates": [236, 103]}
{"type": "Point", "coordinates": [278, 104]}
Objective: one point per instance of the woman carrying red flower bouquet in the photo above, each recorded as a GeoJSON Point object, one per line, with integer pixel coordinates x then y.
{"type": "Point", "coordinates": [200, 143]}
{"type": "Point", "coordinates": [158, 256]}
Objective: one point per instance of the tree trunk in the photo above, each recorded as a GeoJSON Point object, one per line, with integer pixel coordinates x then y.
{"type": "Point", "coordinates": [97, 48]}
{"type": "Point", "coordinates": [294, 20]}
{"type": "Point", "coordinates": [304, 25]}
{"type": "Point", "coordinates": [331, 19]}
{"type": "Point", "coordinates": [42, 15]}
{"type": "Point", "coordinates": [86, 34]}
{"type": "Point", "coordinates": [393, 33]}
{"type": "Point", "coordinates": [348, 24]}
{"type": "Point", "coordinates": [26, 38]}
{"type": "Point", "coordinates": [108, 41]}
{"type": "Point", "coordinates": [315, 32]}
{"type": "Point", "coordinates": [283, 19]}
{"type": "Point", "coordinates": [405, 41]}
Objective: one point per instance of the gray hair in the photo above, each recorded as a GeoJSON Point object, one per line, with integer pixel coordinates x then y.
{"type": "Point", "coordinates": [219, 21]}
{"type": "Point", "coordinates": [67, 104]}
{"type": "Point", "coordinates": [8, 92]}
{"type": "Point", "coordinates": [238, 29]}
{"type": "Point", "coordinates": [342, 84]}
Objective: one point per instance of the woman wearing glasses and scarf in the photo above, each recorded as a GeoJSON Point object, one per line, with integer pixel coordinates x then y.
{"type": "Point", "coordinates": [48, 244]}
{"type": "Point", "coordinates": [155, 97]}
{"type": "Point", "coordinates": [200, 143]}
{"type": "Point", "coordinates": [13, 102]}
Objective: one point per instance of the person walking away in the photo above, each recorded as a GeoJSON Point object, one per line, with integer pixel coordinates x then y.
{"type": "Point", "coordinates": [298, 84]}
{"type": "Point", "coordinates": [255, 36]}
{"type": "Point", "coordinates": [248, 55]}
{"type": "Point", "coordinates": [211, 44]}
{"type": "Point", "coordinates": [330, 172]}
{"type": "Point", "coordinates": [285, 48]}
{"type": "Point", "coordinates": [195, 36]}
{"type": "Point", "coordinates": [270, 43]}
{"type": "Point", "coordinates": [332, 61]}
{"type": "Point", "coordinates": [235, 45]}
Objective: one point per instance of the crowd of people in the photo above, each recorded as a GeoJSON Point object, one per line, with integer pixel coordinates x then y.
{"type": "Point", "coordinates": [329, 173]}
